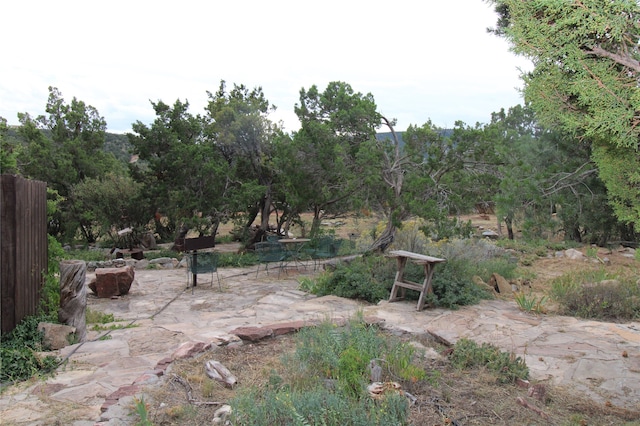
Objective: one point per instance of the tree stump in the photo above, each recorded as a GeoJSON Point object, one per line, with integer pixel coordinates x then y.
{"type": "Point", "coordinates": [73, 296]}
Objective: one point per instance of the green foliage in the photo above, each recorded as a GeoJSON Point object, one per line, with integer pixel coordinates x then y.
{"type": "Point", "coordinates": [95, 317]}
{"type": "Point", "coordinates": [110, 202]}
{"type": "Point", "coordinates": [19, 350]}
{"type": "Point", "coordinates": [597, 295]}
{"type": "Point", "coordinates": [88, 255]}
{"type": "Point", "coordinates": [50, 292]}
{"type": "Point", "coordinates": [585, 81]}
{"type": "Point", "coordinates": [142, 412]}
{"type": "Point", "coordinates": [371, 277]}
{"type": "Point", "coordinates": [530, 303]}
{"type": "Point", "coordinates": [356, 280]}
{"type": "Point", "coordinates": [327, 354]}
{"type": "Point", "coordinates": [468, 354]}
{"type": "Point", "coordinates": [237, 260]}
{"type": "Point", "coordinates": [63, 148]}
{"type": "Point", "coordinates": [453, 280]}
{"type": "Point", "coordinates": [325, 176]}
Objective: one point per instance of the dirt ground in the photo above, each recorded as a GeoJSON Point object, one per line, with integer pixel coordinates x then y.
{"type": "Point", "coordinates": [451, 397]}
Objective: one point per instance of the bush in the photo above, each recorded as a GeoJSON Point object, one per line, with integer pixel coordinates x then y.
{"type": "Point", "coordinates": [356, 280]}
{"type": "Point", "coordinates": [467, 354]}
{"type": "Point", "coordinates": [18, 352]}
{"type": "Point", "coordinates": [371, 277]}
{"type": "Point", "coordinates": [597, 295]}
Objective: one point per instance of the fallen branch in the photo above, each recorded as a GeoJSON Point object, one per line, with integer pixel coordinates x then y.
{"type": "Point", "coordinates": [525, 404]}
{"type": "Point", "coordinates": [188, 390]}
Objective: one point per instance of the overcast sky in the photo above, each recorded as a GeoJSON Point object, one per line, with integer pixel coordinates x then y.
{"type": "Point", "coordinates": [421, 60]}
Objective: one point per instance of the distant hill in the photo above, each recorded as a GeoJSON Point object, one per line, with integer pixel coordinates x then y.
{"type": "Point", "coordinates": [118, 144]}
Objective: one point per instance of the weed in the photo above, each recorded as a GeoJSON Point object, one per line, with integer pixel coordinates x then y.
{"type": "Point", "coordinates": [597, 295]}
{"type": "Point", "coordinates": [95, 317]}
{"type": "Point", "coordinates": [467, 354]}
{"type": "Point", "coordinates": [530, 303]}
{"type": "Point", "coordinates": [326, 379]}
{"type": "Point", "coordinates": [142, 410]}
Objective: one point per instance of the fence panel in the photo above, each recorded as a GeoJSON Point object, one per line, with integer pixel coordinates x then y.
{"type": "Point", "coordinates": [23, 247]}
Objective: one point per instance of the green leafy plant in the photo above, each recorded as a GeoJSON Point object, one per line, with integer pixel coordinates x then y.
{"type": "Point", "coordinates": [507, 367]}
{"type": "Point", "coordinates": [142, 411]}
{"type": "Point", "coordinates": [530, 303]}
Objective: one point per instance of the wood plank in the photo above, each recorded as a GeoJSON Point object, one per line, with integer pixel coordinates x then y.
{"type": "Point", "coordinates": [410, 286]}
{"type": "Point", "coordinates": [418, 258]}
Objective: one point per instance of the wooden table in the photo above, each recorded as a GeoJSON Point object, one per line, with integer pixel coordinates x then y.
{"type": "Point", "coordinates": [292, 246]}
{"type": "Point", "coordinates": [401, 283]}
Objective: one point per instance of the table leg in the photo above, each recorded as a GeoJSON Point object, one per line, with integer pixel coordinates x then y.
{"type": "Point", "coordinates": [402, 261]}
{"type": "Point", "coordinates": [426, 286]}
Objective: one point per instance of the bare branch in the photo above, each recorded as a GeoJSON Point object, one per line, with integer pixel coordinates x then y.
{"type": "Point", "coordinates": [625, 60]}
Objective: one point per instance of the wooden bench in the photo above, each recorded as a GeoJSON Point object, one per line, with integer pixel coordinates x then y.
{"type": "Point", "coordinates": [400, 283]}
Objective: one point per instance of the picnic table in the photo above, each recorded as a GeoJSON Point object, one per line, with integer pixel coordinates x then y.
{"type": "Point", "coordinates": [400, 283]}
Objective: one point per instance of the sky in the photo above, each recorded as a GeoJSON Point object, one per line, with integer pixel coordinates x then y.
{"type": "Point", "coordinates": [421, 60]}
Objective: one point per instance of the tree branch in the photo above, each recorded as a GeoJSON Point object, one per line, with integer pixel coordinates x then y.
{"type": "Point", "coordinates": [624, 60]}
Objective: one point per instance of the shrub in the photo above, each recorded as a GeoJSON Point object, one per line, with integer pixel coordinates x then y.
{"type": "Point", "coordinates": [597, 295]}
{"type": "Point", "coordinates": [355, 280]}
{"type": "Point", "coordinates": [18, 352]}
{"type": "Point", "coordinates": [371, 277]}
{"type": "Point", "coordinates": [467, 354]}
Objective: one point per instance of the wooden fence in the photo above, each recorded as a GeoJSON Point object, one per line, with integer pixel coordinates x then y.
{"type": "Point", "coordinates": [23, 247]}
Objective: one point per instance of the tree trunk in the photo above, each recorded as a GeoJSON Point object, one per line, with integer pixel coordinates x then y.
{"type": "Point", "coordinates": [73, 296]}
{"type": "Point", "coordinates": [509, 224]}
{"type": "Point", "coordinates": [385, 239]}
{"type": "Point", "coordinates": [317, 221]}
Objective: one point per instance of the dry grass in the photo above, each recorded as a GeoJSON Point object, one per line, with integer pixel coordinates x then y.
{"type": "Point", "coordinates": [447, 397]}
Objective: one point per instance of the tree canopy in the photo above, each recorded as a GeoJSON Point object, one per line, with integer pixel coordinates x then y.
{"type": "Point", "coordinates": [585, 79]}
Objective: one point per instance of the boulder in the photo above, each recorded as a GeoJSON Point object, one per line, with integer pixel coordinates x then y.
{"type": "Point", "coordinates": [111, 282]}
{"type": "Point", "coordinates": [148, 241]}
{"type": "Point", "coordinates": [574, 254]}
{"type": "Point", "coordinates": [252, 334]}
{"type": "Point", "coordinates": [56, 336]}
{"type": "Point", "coordinates": [491, 234]}
{"type": "Point", "coordinates": [190, 349]}
{"type": "Point", "coordinates": [500, 284]}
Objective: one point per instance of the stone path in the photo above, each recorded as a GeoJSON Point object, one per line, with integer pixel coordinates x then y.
{"type": "Point", "coordinates": [600, 359]}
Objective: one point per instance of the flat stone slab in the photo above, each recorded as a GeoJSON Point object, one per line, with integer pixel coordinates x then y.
{"type": "Point", "coordinates": [600, 359]}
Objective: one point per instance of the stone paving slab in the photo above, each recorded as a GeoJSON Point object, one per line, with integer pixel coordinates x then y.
{"type": "Point", "coordinates": [600, 359]}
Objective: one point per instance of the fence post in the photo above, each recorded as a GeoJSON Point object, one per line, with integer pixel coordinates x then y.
{"type": "Point", "coordinates": [73, 296]}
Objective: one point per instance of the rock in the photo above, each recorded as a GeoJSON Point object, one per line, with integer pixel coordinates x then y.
{"type": "Point", "coordinates": [56, 336]}
{"type": "Point", "coordinates": [573, 254]}
{"type": "Point", "coordinates": [287, 327]}
{"type": "Point", "coordinates": [491, 234]}
{"type": "Point", "coordinates": [189, 349]}
{"type": "Point", "coordinates": [161, 260]}
{"type": "Point", "coordinates": [142, 264]}
{"type": "Point", "coordinates": [252, 334]}
{"type": "Point", "coordinates": [216, 371]}
{"type": "Point", "coordinates": [148, 241]}
{"type": "Point", "coordinates": [112, 281]}
{"type": "Point", "coordinates": [500, 284]}
{"type": "Point", "coordinates": [480, 283]}
{"type": "Point", "coordinates": [221, 415]}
